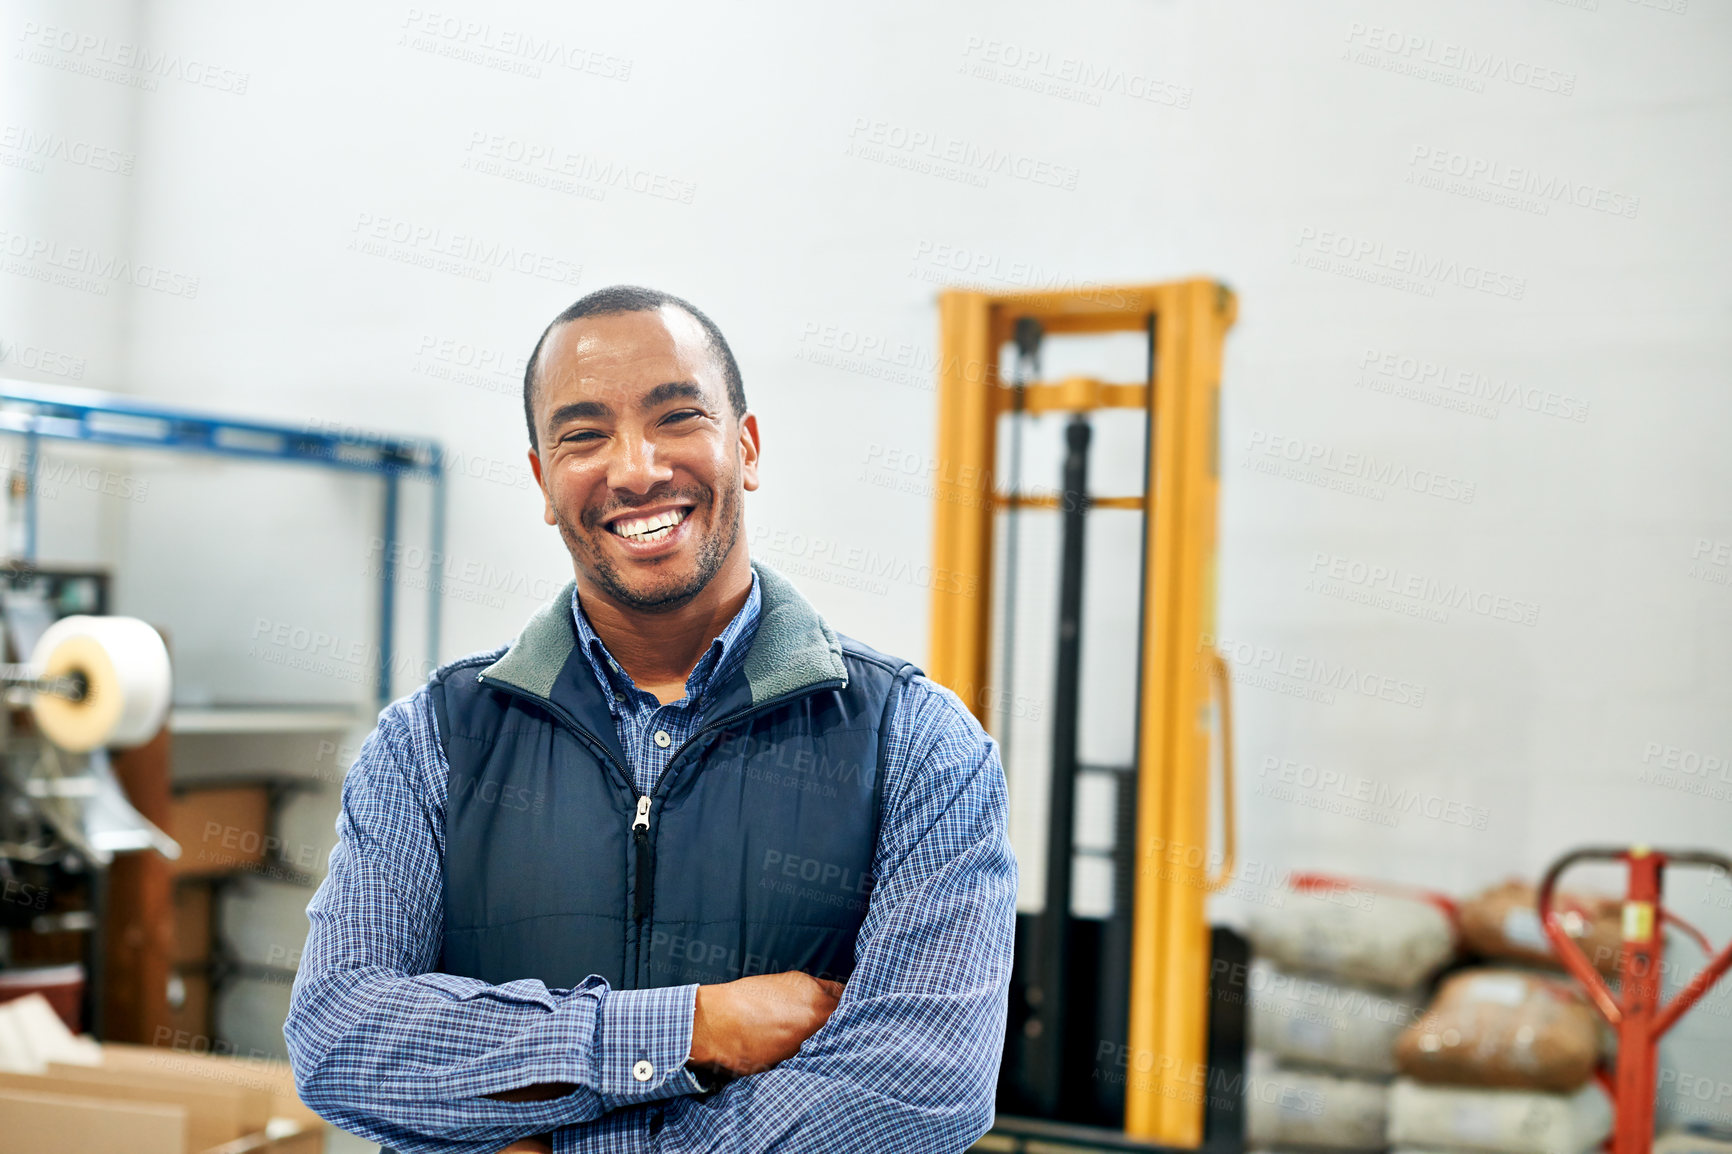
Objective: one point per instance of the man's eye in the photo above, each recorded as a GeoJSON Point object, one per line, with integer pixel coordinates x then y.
{"type": "Point", "coordinates": [580, 435]}
{"type": "Point", "coordinates": [684, 413]}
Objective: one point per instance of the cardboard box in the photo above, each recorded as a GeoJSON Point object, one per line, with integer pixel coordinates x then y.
{"type": "Point", "coordinates": [36, 1123]}
{"type": "Point", "coordinates": [210, 1116]}
{"type": "Point", "coordinates": [273, 1078]}
{"type": "Point", "coordinates": [220, 830]}
{"type": "Point", "coordinates": [145, 1100]}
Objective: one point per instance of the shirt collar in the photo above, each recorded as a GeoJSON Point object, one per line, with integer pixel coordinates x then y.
{"type": "Point", "coordinates": [721, 658]}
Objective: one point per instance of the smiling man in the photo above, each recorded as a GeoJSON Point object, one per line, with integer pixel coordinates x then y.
{"type": "Point", "coordinates": [681, 868]}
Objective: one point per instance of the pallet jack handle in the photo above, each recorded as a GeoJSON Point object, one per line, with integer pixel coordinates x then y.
{"type": "Point", "coordinates": [1223, 679]}
{"type": "Point", "coordinates": [1642, 919]}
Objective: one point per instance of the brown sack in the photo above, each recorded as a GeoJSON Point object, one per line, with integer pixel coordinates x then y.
{"type": "Point", "coordinates": [1503, 1029]}
{"type": "Point", "coordinates": [1503, 922]}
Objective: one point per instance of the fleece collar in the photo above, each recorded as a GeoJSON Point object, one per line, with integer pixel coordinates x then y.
{"type": "Point", "coordinates": [793, 647]}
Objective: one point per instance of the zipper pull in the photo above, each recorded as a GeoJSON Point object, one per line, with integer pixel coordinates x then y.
{"type": "Point", "coordinates": [640, 835]}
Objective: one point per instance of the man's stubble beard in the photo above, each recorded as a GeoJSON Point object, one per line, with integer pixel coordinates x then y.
{"type": "Point", "coordinates": [713, 550]}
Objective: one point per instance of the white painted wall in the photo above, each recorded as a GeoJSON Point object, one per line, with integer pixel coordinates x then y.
{"type": "Point", "coordinates": [1268, 137]}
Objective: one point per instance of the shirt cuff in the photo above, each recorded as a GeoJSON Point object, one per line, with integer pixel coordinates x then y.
{"type": "Point", "coordinates": [643, 1039]}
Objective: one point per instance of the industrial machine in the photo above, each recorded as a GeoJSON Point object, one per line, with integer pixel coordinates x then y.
{"type": "Point", "coordinates": [90, 683]}
{"type": "Point", "coordinates": [1115, 1039]}
{"type": "Point", "coordinates": [142, 934]}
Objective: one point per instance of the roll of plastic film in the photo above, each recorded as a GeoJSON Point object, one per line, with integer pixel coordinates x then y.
{"type": "Point", "coordinates": [126, 673]}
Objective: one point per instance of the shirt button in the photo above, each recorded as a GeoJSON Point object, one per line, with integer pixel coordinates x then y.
{"type": "Point", "coordinates": [662, 738]}
{"type": "Point", "coordinates": [644, 1070]}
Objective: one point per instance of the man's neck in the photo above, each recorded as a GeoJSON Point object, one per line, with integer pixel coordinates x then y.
{"type": "Point", "coordinates": [658, 651]}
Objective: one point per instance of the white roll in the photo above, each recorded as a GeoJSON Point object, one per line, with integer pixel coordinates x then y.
{"type": "Point", "coordinates": [126, 671]}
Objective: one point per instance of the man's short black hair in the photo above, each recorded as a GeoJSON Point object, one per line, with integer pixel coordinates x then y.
{"type": "Point", "coordinates": [625, 298]}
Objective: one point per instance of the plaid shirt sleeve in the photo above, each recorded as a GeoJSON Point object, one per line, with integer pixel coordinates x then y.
{"type": "Point", "coordinates": [389, 1050]}
{"type": "Point", "coordinates": [909, 1060]}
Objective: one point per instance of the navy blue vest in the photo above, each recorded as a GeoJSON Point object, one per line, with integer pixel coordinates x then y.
{"type": "Point", "coordinates": [753, 855]}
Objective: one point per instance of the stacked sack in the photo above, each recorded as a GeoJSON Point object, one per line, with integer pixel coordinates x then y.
{"type": "Point", "coordinates": [1339, 976]}
{"type": "Point", "coordinates": [1503, 923]}
{"type": "Point", "coordinates": [1507, 1029]}
{"type": "Point", "coordinates": [1503, 1061]}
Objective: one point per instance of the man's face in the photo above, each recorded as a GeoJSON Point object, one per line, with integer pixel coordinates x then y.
{"type": "Point", "coordinates": [641, 460]}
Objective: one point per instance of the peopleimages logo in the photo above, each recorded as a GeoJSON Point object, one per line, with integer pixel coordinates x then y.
{"type": "Point", "coordinates": [1070, 77]}
{"type": "Point", "coordinates": [39, 146]}
{"type": "Point", "coordinates": [505, 48]}
{"type": "Point", "coordinates": [88, 269]}
{"type": "Point", "coordinates": [121, 60]}
{"type": "Point", "coordinates": [1547, 188]}
{"type": "Point", "coordinates": [1421, 589]}
{"type": "Point", "coordinates": [43, 360]}
{"type": "Point", "coordinates": [1311, 671]}
{"type": "Point", "coordinates": [882, 140]}
{"type": "Point", "coordinates": [495, 154]}
{"type": "Point", "coordinates": [1373, 257]}
{"type": "Point", "coordinates": [1358, 471]}
{"type": "Point", "coordinates": [957, 266]}
{"type": "Point", "coordinates": [1416, 51]}
{"type": "Point", "coordinates": [464, 254]}
{"type": "Point", "coordinates": [867, 563]}
{"type": "Point", "coordinates": [1306, 784]}
{"type": "Point", "coordinates": [1471, 384]}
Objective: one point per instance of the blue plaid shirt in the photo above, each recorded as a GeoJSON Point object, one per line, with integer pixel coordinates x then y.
{"type": "Point", "coordinates": [649, 731]}
{"type": "Point", "coordinates": [387, 1049]}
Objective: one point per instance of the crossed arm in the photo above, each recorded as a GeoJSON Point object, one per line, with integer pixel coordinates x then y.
{"type": "Point", "coordinates": [909, 1059]}
{"type": "Point", "coordinates": [391, 1051]}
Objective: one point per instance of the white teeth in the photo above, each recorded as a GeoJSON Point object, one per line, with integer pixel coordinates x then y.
{"type": "Point", "coordinates": [649, 528]}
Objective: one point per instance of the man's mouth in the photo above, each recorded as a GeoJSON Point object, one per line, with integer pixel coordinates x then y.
{"type": "Point", "coordinates": [652, 527]}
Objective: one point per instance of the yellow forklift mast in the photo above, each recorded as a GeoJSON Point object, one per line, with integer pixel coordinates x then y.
{"type": "Point", "coordinates": [1167, 867]}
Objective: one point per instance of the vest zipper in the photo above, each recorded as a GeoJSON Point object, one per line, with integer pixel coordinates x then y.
{"type": "Point", "coordinates": [640, 834]}
{"type": "Point", "coordinates": [640, 822]}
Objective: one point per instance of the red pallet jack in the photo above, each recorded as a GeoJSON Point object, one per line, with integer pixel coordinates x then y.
{"type": "Point", "coordinates": [1635, 1011]}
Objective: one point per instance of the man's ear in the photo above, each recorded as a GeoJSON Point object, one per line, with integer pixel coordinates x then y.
{"type": "Point", "coordinates": [749, 452]}
{"type": "Point", "coordinates": [546, 500]}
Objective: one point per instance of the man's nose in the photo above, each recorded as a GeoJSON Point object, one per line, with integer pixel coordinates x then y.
{"type": "Point", "coordinates": [633, 466]}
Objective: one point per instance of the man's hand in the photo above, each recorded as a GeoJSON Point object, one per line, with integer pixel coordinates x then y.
{"type": "Point", "coordinates": [747, 1026]}
{"type": "Point", "coordinates": [529, 1146]}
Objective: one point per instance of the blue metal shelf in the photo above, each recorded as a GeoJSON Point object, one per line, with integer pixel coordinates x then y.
{"type": "Point", "coordinates": [34, 411]}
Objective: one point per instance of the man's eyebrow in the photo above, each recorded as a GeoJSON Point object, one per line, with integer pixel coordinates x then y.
{"type": "Point", "coordinates": [578, 410]}
{"type": "Point", "coordinates": [666, 392]}
{"type": "Point", "coordinates": [660, 395]}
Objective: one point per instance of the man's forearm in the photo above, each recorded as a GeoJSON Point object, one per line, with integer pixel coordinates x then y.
{"type": "Point", "coordinates": [388, 1050]}
{"type": "Point", "coordinates": [793, 1108]}
{"type": "Point", "coordinates": [409, 1061]}
{"type": "Point", "coordinates": [909, 1060]}
{"type": "Point", "coordinates": [882, 1088]}
{"type": "Point", "coordinates": [416, 1062]}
